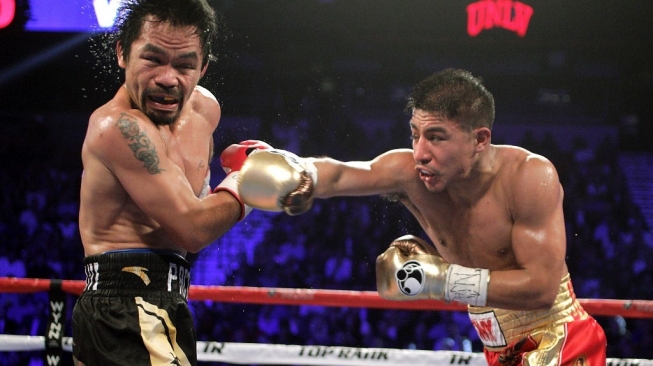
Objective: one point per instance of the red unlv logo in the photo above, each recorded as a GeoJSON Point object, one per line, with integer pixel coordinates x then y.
{"type": "Point", "coordinates": [486, 14]}
{"type": "Point", "coordinates": [7, 12]}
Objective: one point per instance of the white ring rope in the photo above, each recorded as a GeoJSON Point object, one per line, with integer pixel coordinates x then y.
{"type": "Point", "coordinates": [282, 354]}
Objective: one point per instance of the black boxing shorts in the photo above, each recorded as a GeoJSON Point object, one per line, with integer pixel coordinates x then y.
{"type": "Point", "coordinates": [134, 310]}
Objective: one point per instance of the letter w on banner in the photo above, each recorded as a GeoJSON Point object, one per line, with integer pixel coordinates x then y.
{"type": "Point", "coordinates": [56, 324]}
{"type": "Point", "coordinates": [106, 11]}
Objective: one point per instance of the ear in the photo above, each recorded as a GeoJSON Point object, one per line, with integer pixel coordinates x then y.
{"type": "Point", "coordinates": [120, 55]}
{"type": "Point", "coordinates": [204, 70]}
{"type": "Point", "coordinates": [483, 138]}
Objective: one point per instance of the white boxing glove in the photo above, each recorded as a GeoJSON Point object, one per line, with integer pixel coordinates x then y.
{"type": "Point", "coordinates": [277, 180]}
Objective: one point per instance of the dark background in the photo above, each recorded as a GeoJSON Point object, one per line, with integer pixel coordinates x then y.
{"type": "Point", "coordinates": [330, 77]}
{"type": "Point", "coordinates": [581, 62]}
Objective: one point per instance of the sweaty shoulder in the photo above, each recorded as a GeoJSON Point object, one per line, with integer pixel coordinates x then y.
{"type": "Point", "coordinates": [396, 168]}
{"type": "Point", "coordinates": [110, 123]}
{"type": "Point", "coordinates": [206, 105]}
{"type": "Point", "coordinates": [521, 161]}
{"type": "Point", "coordinates": [529, 176]}
{"type": "Point", "coordinates": [511, 154]}
{"type": "Point", "coordinates": [399, 163]}
{"type": "Point", "coordinates": [398, 156]}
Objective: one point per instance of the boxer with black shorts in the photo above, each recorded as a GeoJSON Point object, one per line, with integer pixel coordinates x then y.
{"type": "Point", "coordinates": [133, 310]}
{"type": "Point", "coordinates": [144, 199]}
{"type": "Point", "coordinates": [493, 214]}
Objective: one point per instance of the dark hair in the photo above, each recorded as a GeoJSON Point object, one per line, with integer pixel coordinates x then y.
{"type": "Point", "coordinates": [178, 13]}
{"type": "Point", "coordinates": [457, 95]}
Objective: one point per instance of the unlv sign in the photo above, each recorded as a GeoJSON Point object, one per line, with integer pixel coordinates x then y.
{"type": "Point", "coordinates": [507, 14]}
{"type": "Point", "coordinates": [7, 12]}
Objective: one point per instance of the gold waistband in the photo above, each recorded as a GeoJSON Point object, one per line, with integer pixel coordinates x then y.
{"type": "Point", "coordinates": [515, 325]}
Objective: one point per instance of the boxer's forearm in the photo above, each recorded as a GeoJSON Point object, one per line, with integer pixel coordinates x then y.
{"type": "Point", "coordinates": [353, 178]}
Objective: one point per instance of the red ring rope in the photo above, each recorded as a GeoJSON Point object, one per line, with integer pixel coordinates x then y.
{"type": "Point", "coordinates": [360, 299]}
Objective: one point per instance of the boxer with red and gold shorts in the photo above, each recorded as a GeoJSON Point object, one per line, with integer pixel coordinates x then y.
{"type": "Point", "coordinates": [493, 214]}
{"type": "Point", "coordinates": [562, 335]}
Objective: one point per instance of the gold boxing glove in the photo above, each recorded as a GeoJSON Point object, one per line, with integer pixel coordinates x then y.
{"type": "Point", "coordinates": [408, 271]}
{"type": "Point", "coordinates": [277, 180]}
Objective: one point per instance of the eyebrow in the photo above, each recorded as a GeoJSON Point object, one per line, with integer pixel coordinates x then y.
{"type": "Point", "coordinates": [428, 129]}
{"type": "Point", "coordinates": [155, 49]}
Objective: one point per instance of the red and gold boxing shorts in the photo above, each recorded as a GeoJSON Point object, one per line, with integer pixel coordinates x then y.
{"type": "Point", "coordinates": [562, 335]}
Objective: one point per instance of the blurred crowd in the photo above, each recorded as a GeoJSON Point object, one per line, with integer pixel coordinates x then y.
{"type": "Point", "coordinates": [333, 246]}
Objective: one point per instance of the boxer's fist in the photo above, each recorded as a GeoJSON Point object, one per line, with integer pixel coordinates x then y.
{"type": "Point", "coordinates": [278, 180]}
{"type": "Point", "coordinates": [232, 159]}
{"type": "Point", "coordinates": [407, 271]}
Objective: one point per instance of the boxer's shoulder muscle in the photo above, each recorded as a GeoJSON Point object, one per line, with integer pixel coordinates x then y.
{"type": "Point", "coordinates": [205, 104]}
{"type": "Point", "coordinates": [116, 134]}
{"type": "Point", "coordinates": [397, 164]}
{"type": "Point", "coordinates": [529, 180]}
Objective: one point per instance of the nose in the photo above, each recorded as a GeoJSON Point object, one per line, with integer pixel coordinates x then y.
{"type": "Point", "coordinates": [167, 78]}
{"type": "Point", "coordinates": [420, 152]}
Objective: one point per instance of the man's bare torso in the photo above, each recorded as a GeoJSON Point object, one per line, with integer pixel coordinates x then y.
{"type": "Point", "coordinates": [475, 233]}
{"type": "Point", "coordinates": [109, 218]}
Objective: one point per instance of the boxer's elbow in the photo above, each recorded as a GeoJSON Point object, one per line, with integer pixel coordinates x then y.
{"type": "Point", "coordinates": [196, 228]}
{"type": "Point", "coordinates": [195, 246]}
{"type": "Point", "coordinates": [544, 298]}
{"type": "Point", "coordinates": [191, 235]}
{"type": "Point", "coordinates": [525, 301]}
{"type": "Point", "coordinates": [190, 241]}
{"type": "Point", "coordinates": [545, 301]}
{"type": "Point", "coordinates": [529, 296]}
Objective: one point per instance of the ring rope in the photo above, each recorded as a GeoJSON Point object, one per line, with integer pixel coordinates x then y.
{"type": "Point", "coordinates": [282, 354]}
{"type": "Point", "coordinates": [337, 298]}
{"type": "Point", "coordinates": [276, 354]}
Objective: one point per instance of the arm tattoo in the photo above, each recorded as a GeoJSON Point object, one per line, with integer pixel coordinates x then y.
{"type": "Point", "coordinates": [140, 144]}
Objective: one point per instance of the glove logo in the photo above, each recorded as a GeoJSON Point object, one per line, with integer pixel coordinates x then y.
{"type": "Point", "coordinates": [410, 278]}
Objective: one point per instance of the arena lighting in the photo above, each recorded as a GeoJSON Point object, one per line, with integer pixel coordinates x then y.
{"type": "Point", "coordinates": [7, 12]}
{"type": "Point", "coordinates": [507, 14]}
{"type": "Point", "coordinates": [23, 66]}
{"type": "Point", "coordinates": [64, 15]}
{"type": "Point", "coordinates": [106, 11]}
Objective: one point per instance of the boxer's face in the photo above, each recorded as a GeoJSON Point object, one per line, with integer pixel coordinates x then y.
{"type": "Point", "coordinates": [162, 69]}
{"type": "Point", "coordinates": [444, 152]}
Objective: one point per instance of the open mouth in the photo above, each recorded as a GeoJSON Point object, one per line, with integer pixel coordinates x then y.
{"type": "Point", "coordinates": [428, 177]}
{"type": "Point", "coordinates": [163, 99]}
{"type": "Point", "coordinates": [424, 173]}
